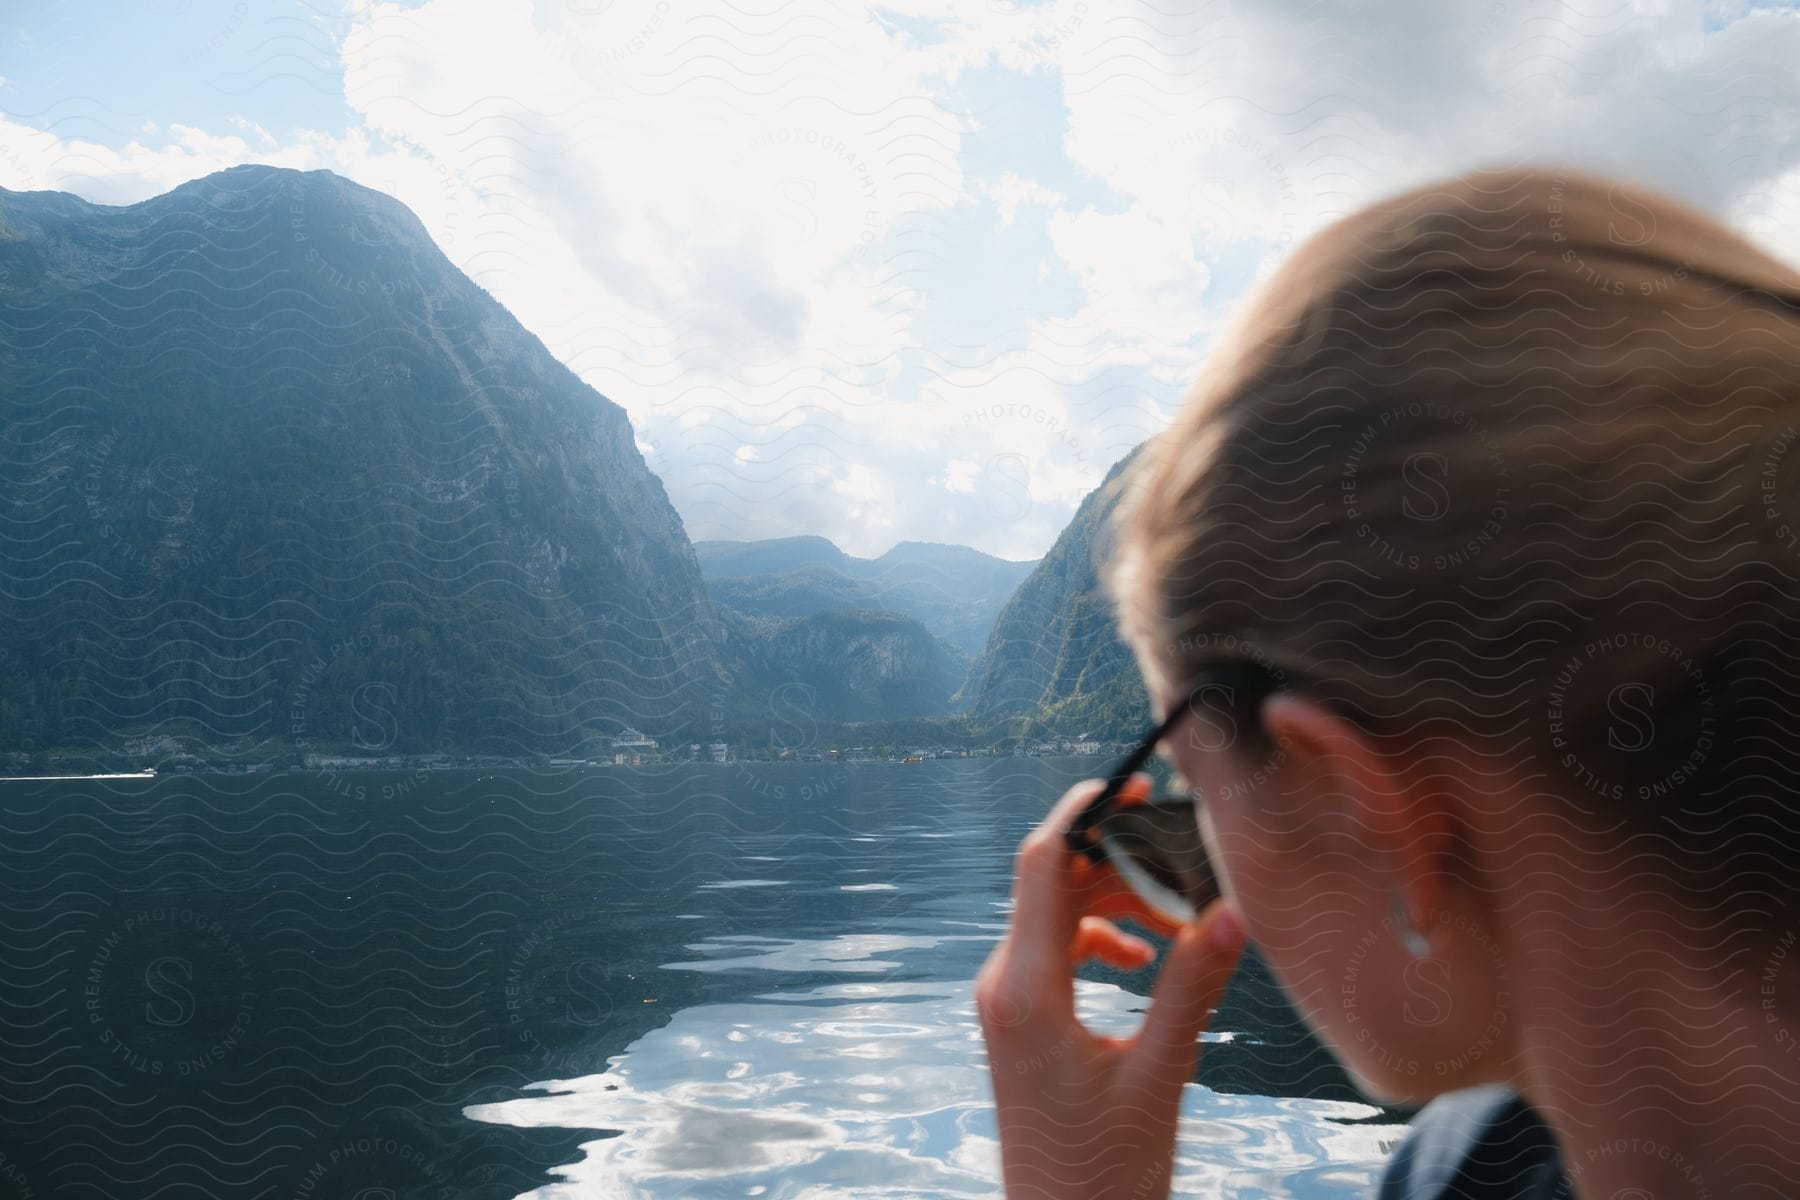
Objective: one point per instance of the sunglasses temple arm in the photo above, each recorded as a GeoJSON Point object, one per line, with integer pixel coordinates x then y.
{"type": "Point", "coordinates": [1133, 762]}
{"type": "Point", "coordinates": [1115, 782]}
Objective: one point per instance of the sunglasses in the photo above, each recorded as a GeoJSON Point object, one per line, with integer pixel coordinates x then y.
{"type": "Point", "coordinates": [1154, 845]}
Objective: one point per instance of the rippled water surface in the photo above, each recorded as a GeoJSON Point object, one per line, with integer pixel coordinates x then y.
{"type": "Point", "coordinates": [713, 980]}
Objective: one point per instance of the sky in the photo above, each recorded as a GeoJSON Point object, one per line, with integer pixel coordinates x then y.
{"type": "Point", "coordinates": [911, 271]}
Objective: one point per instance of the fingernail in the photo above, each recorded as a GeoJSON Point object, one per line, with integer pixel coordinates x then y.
{"type": "Point", "coordinates": [1224, 933]}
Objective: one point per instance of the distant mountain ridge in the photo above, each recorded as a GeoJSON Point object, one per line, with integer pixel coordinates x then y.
{"type": "Point", "coordinates": [278, 476]}
{"type": "Point", "coordinates": [768, 555]}
{"type": "Point", "coordinates": [954, 591]}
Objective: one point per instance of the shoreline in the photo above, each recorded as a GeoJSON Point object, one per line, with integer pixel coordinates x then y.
{"type": "Point", "coordinates": [335, 765]}
{"type": "Point", "coordinates": [147, 774]}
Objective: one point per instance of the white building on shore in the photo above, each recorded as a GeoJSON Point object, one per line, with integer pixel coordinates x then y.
{"type": "Point", "coordinates": [631, 741]}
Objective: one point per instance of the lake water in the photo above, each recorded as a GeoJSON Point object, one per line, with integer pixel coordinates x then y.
{"type": "Point", "coordinates": [693, 981]}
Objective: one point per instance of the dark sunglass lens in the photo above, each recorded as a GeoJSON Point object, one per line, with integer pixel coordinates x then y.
{"type": "Point", "coordinates": [1155, 888]}
{"type": "Point", "coordinates": [1156, 849]}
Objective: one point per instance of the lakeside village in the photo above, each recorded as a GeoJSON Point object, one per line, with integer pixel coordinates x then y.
{"type": "Point", "coordinates": [629, 749]}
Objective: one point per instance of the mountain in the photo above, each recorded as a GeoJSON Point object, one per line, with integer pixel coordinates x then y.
{"type": "Point", "coordinates": [769, 556]}
{"type": "Point", "coordinates": [279, 478]}
{"type": "Point", "coordinates": [1055, 652]}
{"type": "Point", "coordinates": [821, 670]}
{"type": "Point", "coordinates": [954, 591]}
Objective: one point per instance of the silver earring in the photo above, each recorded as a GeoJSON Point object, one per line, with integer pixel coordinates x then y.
{"type": "Point", "coordinates": [1410, 938]}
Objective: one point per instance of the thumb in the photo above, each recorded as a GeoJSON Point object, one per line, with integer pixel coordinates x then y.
{"type": "Point", "coordinates": [1199, 964]}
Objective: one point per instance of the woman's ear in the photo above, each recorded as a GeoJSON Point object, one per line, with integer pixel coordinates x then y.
{"type": "Point", "coordinates": [1328, 771]}
{"type": "Point", "coordinates": [1378, 802]}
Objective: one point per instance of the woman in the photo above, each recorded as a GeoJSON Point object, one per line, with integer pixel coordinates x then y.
{"type": "Point", "coordinates": [1492, 486]}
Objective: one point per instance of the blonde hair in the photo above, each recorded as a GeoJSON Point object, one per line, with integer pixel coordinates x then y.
{"type": "Point", "coordinates": [1506, 458]}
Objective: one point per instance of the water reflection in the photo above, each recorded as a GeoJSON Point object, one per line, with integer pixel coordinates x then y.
{"type": "Point", "coordinates": [398, 949]}
{"type": "Point", "coordinates": [847, 952]}
{"type": "Point", "coordinates": [880, 1088]}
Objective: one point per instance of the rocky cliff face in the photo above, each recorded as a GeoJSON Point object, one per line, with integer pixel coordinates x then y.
{"type": "Point", "coordinates": [279, 477]}
{"type": "Point", "coordinates": [1055, 650]}
{"type": "Point", "coordinates": [848, 665]}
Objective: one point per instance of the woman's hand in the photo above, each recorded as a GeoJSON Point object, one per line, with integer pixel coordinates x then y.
{"type": "Point", "coordinates": [1083, 1116]}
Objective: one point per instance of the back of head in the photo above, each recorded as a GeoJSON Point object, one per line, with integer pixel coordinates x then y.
{"type": "Point", "coordinates": [1510, 460]}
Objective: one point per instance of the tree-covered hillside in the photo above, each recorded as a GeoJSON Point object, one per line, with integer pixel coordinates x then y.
{"type": "Point", "coordinates": [278, 476]}
{"type": "Point", "coordinates": [849, 665]}
{"type": "Point", "coordinates": [1055, 657]}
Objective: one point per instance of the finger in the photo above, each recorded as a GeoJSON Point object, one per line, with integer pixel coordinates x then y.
{"type": "Point", "coordinates": [1136, 790]}
{"type": "Point", "coordinates": [1048, 904]}
{"type": "Point", "coordinates": [1003, 1006]}
{"type": "Point", "coordinates": [1107, 895]}
{"type": "Point", "coordinates": [1044, 910]}
{"type": "Point", "coordinates": [1050, 896]}
{"type": "Point", "coordinates": [1099, 938]}
{"type": "Point", "coordinates": [1193, 977]}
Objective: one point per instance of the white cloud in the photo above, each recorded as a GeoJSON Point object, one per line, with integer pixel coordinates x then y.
{"type": "Point", "coordinates": [1142, 271]}
{"type": "Point", "coordinates": [37, 160]}
{"type": "Point", "coordinates": [959, 475]}
{"type": "Point", "coordinates": [1212, 122]}
{"type": "Point", "coordinates": [733, 208]}
{"type": "Point", "coordinates": [719, 224]}
{"type": "Point", "coordinates": [263, 136]}
{"type": "Point", "coordinates": [1771, 216]}
{"type": "Point", "coordinates": [1237, 133]}
{"type": "Point", "coordinates": [1012, 191]}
